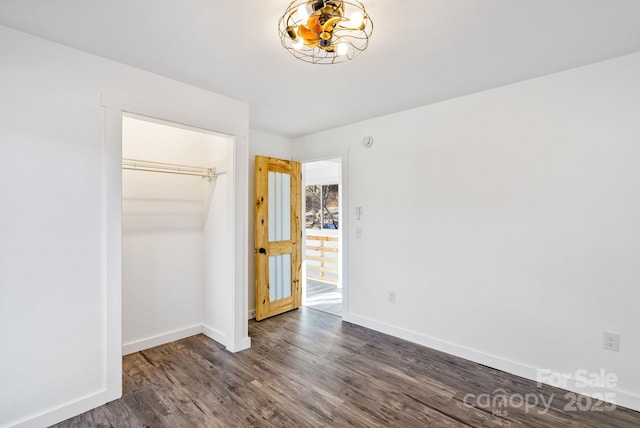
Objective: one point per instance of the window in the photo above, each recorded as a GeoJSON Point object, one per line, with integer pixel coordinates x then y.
{"type": "Point", "coordinates": [322, 209]}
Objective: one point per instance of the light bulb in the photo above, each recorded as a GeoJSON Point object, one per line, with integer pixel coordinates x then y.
{"type": "Point", "coordinates": [303, 13]}
{"type": "Point", "coordinates": [297, 43]}
{"type": "Point", "coordinates": [355, 19]}
{"type": "Point", "coordinates": [342, 49]}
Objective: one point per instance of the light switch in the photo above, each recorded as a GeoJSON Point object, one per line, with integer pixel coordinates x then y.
{"type": "Point", "coordinates": [358, 212]}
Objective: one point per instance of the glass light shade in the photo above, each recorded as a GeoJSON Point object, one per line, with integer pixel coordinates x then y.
{"type": "Point", "coordinates": [297, 43]}
{"type": "Point", "coordinates": [342, 49]}
{"type": "Point", "coordinates": [303, 12]}
{"type": "Point", "coordinates": [355, 20]}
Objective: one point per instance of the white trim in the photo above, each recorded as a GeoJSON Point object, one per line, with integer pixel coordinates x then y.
{"type": "Point", "coordinates": [112, 226]}
{"type": "Point", "coordinates": [161, 339]}
{"type": "Point", "coordinates": [214, 334]}
{"type": "Point", "coordinates": [150, 111]}
{"type": "Point", "coordinates": [444, 346]}
{"type": "Point", "coordinates": [239, 214]}
{"type": "Point", "coordinates": [345, 209]}
{"type": "Point", "coordinates": [220, 337]}
{"type": "Point", "coordinates": [623, 398]}
{"type": "Point", "coordinates": [112, 235]}
{"type": "Point", "coordinates": [60, 413]}
{"type": "Point", "coordinates": [344, 225]}
{"type": "Point", "coordinates": [240, 345]}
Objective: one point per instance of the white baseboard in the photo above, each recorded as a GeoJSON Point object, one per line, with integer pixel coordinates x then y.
{"type": "Point", "coordinates": [221, 338]}
{"type": "Point", "coordinates": [58, 414]}
{"type": "Point", "coordinates": [161, 339]}
{"type": "Point", "coordinates": [619, 397]}
{"type": "Point", "coordinates": [68, 410]}
{"type": "Point", "coordinates": [240, 346]}
{"type": "Point", "coordinates": [214, 334]}
{"type": "Point", "coordinates": [252, 314]}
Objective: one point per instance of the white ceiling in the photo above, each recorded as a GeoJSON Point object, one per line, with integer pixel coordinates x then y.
{"type": "Point", "coordinates": [421, 52]}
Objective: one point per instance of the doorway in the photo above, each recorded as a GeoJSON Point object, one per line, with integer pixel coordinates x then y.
{"type": "Point", "coordinates": [228, 324]}
{"type": "Point", "coordinates": [322, 199]}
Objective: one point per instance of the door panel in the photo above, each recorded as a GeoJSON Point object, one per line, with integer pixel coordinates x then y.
{"type": "Point", "coordinates": [279, 277]}
{"type": "Point", "coordinates": [278, 236]}
{"type": "Point", "coordinates": [279, 206]}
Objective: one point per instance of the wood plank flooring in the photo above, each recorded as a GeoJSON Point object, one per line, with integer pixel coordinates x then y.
{"type": "Point", "coordinates": [307, 368]}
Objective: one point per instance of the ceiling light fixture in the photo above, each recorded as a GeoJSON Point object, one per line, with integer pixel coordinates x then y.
{"type": "Point", "coordinates": [325, 31]}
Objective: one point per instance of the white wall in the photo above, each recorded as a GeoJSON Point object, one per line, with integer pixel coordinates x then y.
{"type": "Point", "coordinates": [263, 144]}
{"type": "Point", "coordinates": [163, 218]}
{"type": "Point", "coordinates": [506, 221]}
{"type": "Point", "coordinates": [322, 172]}
{"type": "Point", "coordinates": [53, 292]}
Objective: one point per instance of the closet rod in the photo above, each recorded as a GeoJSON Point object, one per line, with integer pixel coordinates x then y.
{"type": "Point", "coordinates": [169, 168]}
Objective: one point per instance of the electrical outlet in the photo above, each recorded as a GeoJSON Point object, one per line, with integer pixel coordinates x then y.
{"type": "Point", "coordinates": [391, 296]}
{"type": "Point", "coordinates": [611, 341]}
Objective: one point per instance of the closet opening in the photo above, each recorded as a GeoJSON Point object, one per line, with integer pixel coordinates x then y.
{"type": "Point", "coordinates": [176, 259]}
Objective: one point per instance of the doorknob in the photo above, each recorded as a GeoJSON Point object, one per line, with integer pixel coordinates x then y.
{"type": "Point", "coordinates": [262, 250]}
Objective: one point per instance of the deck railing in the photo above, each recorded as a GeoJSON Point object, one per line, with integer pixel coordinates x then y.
{"type": "Point", "coordinates": [317, 250]}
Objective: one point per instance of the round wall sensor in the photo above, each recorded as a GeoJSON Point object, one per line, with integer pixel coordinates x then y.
{"type": "Point", "coordinates": [367, 141]}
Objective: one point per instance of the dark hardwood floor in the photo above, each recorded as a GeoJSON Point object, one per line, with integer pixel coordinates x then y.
{"type": "Point", "coordinates": [307, 368]}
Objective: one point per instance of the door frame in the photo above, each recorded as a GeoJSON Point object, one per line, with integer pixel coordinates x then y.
{"type": "Point", "coordinates": [237, 337]}
{"type": "Point", "coordinates": [344, 226]}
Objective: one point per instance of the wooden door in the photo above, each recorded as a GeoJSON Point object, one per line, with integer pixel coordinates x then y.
{"type": "Point", "coordinates": [278, 236]}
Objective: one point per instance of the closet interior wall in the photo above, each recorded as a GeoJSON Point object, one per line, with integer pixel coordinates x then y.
{"type": "Point", "coordinates": [167, 230]}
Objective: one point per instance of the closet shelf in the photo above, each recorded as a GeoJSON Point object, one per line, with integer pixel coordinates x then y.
{"type": "Point", "coordinates": [168, 168]}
